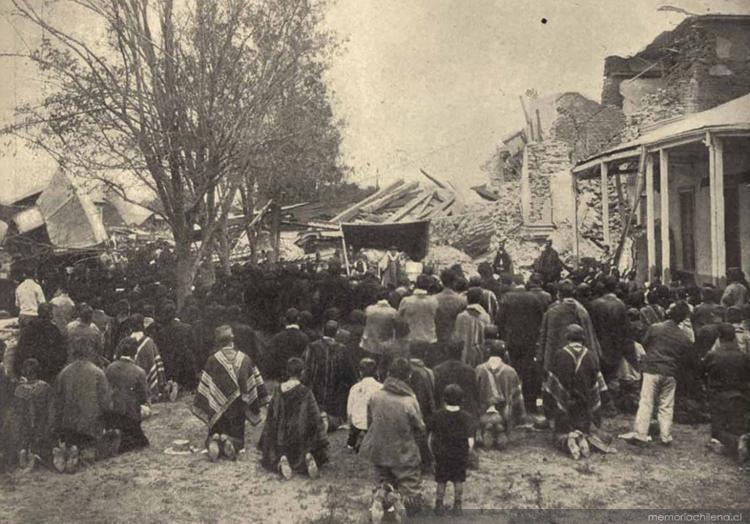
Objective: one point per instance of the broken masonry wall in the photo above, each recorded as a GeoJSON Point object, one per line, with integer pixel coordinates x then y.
{"type": "Point", "coordinates": [705, 66]}
{"type": "Point", "coordinates": [543, 160]}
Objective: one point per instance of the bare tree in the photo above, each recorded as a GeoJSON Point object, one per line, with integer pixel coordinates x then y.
{"type": "Point", "coordinates": [180, 97]}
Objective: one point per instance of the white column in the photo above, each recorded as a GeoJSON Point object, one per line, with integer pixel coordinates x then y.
{"type": "Point", "coordinates": [650, 217]}
{"type": "Point", "coordinates": [605, 202]}
{"type": "Point", "coordinates": [664, 193]}
{"type": "Point", "coordinates": [716, 193]}
{"type": "Point", "coordinates": [574, 190]}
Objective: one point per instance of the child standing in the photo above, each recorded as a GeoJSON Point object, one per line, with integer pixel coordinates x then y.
{"type": "Point", "coordinates": [356, 405]}
{"type": "Point", "coordinates": [451, 437]}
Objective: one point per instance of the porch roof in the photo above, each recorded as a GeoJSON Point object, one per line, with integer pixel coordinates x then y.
{"type": "Point", "coordinates": [729, 117]}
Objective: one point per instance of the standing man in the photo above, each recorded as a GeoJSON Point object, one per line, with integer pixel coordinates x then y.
{"type": "Point", "coordinates": [556, 320]}
{"type": "Point", "coordinates": [379, 333]}
{"type": "Point", "coordinates": [469, 329]}
{"type": "Point", "coordinates": [502, 264]}
{"type": "Point", "coordinates": [176, 343]}
{"type": "Point", "coordinates": [63, 308]}
{"type": "Point", "coordinates": [29, 295]}
{"type": "Point", "coordinates": [665, 344]}
{"type": "Point", "coordinates": [548, 265]}
{"type": "Point", "coordinates": [288, 343]}
{"type": "Point", "coordinates": [391, 268]}
{"type": "Point", "coordinates": [609, 316]}
{"type": "Point", "coordinates": [450, 304]}
{"type": "Point", "coordinates": [519, 321]}
{"type": "Point", "coordinates": [419, 311]}
{"type": "Point", "coordinates": [395, 426]}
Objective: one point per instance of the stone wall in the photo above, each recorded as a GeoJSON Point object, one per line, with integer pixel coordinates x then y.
{"type": "Point", "coordinates": [544, 159]}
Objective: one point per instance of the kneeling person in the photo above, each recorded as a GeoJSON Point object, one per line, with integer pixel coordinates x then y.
{"type": "Point", "coordinates": [231, 389]}
{"type": "Point", "coordinates": [294, 437]}
{"type": "Point", "coordinates": [130, 391]}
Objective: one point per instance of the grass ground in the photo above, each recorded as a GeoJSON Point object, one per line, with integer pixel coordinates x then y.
{"type": "Point", "coordinates": [151, 486]}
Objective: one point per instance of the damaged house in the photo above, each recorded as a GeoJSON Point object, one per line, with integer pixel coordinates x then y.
{"type": "Point", "coordinates": [685, 151]}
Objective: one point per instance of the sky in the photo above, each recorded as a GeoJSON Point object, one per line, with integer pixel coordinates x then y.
{"type": "Point", "coordinates": [427, 83]}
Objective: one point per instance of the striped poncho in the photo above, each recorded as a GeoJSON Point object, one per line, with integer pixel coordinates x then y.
{"type": "Point", "coordinates": [228, 375]}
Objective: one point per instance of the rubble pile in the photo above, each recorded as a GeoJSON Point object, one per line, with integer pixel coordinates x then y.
{"type": "Point", "coordinates": [402, 202]}
{"type": "Point", "coordinates": [472, 231]}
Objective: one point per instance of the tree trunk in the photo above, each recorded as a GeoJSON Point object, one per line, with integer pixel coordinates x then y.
{"type": "Point", "coordinates": [275, 231]}
{"type": "Point", "coordinates": [223, 248]}
{"type": "Point", "coordinates": [185, 271]}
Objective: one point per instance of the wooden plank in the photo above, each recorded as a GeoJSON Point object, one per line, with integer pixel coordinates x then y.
{"type": "Point", "coordinates": [352, 211]}
{"type": "Point", "coordinates": [634, 209]}
{"type": "Point", "coordinates": [388, 197]}
{"type": "Point", "coordinates": [408, 208]}
{"type": "Point", "coordinates": [433, 179]}
{"type": "Point", "coordinates": [424, 205]}
{"type": "Point", "coordinates": [604, 187]}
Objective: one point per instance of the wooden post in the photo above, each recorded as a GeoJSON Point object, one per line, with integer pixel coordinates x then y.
{"type": "Point", "coordinates": [576, 246]}
{"type": "Point", "coordinates": [346, 255]}
{"type": "Point", "coordinates": [716, 193]}
{"type": "Point", "coordinates": [650, 217]}
{"type": "Point", "coordinates": [664, 194]}
{"type": "Point", "coordinates": [604, 173]}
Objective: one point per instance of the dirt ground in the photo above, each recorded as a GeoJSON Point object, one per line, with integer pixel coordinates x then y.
{"type": "Point", "coordinates": [151, 486]}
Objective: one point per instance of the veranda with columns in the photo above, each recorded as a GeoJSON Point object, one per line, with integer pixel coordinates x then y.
{"type": "Point", "coordinates": [690, 194]}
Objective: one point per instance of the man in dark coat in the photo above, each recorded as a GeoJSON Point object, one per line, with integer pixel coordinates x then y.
{"type": "Point", "coordinates": [502, 264]}
{"type": "Point", "coordinates": [548, 265]}
{"type": "Point", "coordinates": [245, 337]}
{"type": "Point", "coordinates": [176, 344]}
{"type": "Point", "coordinates": [43, 341]}
{"type": "Point", "coordinates": [329, 373]}
{"type": "Point", "coordinates": [450, 304]}
{"type": "Point", "coordinates": [288, 343]}
{"type": "Point", "coordinates": [728, 372]}
{"type": "Point", "coordinates": [609, 315]}
{"type": "Point", "coordinates": [519, 320]}
{"type": "Point", "coordinates": [557, 318]}
{"type": "Point", "coordinates": [454, 371]}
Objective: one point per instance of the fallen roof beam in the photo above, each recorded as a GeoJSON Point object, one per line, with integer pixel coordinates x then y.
{"type": "Point", "coordinates": [408, 208]}
{"type": "Point", "coordinates": [389, 197]}
{"type": "Point", "coordinates": [352, 211]}
{"type": "Point", "coordinates": [433, 179]}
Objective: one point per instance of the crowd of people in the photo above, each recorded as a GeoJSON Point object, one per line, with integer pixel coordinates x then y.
{"type": "Point", "coordinates": [422, 369]}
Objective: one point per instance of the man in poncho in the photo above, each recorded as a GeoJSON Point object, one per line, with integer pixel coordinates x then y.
{"type": "Point", "coordinates": [500, 398]}
{"type": "Point", "coordinates": [571, 393]}
{"type": "Point", "coordinates": [230, 390]}
{"type": "Point", "coordinates": [294, 436]}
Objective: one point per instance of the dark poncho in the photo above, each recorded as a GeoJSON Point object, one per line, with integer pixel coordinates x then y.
{"type": "Point", "coordinates": [293, 428]}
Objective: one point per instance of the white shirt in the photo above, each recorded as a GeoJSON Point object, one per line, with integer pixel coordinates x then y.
{"type": "Point", "coordinates": [359, 397]}
{"type": "Point", "coordinates": [29, 295]}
